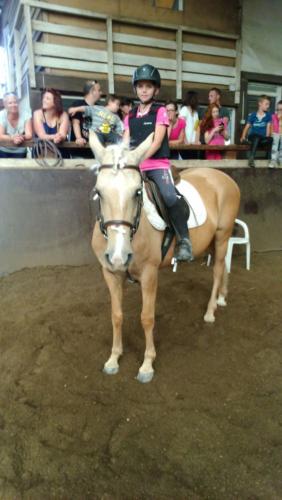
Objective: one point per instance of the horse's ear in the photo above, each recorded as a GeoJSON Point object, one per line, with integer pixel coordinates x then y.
{"type": "Point", "coordinates": [96, 146]}
{"type": "Point", "coordinates": [135, 156]}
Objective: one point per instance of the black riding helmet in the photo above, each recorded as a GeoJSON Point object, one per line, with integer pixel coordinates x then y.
{"type": "Point", "coordinates": [147, 72]}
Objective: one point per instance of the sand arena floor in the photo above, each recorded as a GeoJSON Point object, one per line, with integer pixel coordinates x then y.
{"type": "Point", "coordinates": [209, 426]}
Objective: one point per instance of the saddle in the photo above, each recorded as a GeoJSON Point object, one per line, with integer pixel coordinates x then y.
{"type": "Point", "coordinates": [155, 197]}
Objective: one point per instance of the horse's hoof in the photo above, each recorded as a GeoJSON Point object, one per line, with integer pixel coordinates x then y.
{"type": "Point", "coordinates": [110, 370]}
{"type": "Point", "coordinates": [144, 378]}
{"type": "Point", "coordinates": [209, 318]}
{"type": "Point", "coordinates": [221, 301]}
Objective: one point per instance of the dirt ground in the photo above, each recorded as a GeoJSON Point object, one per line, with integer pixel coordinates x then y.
{"type": "Point", "coordinates": [209, 426]}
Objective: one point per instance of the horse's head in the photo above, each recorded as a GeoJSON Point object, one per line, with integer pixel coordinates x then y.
{"type": "Point", "coordinates": [119, 188]}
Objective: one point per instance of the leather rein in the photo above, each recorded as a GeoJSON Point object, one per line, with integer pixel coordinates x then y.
{"type": "Point", "coordinates": [120, 222]}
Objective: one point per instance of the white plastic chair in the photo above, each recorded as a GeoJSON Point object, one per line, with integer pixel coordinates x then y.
{"type": "Point", "coordinates": [237, 240]}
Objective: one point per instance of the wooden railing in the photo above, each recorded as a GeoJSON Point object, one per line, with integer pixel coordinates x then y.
{"type": "Point", "coordinates": [229, 152]}
{"type": "Point", "coordinates": [27, 51]}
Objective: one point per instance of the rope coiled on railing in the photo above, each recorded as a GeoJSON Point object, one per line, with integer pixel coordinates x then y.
{"type": "Point", "coordinates": [46, 154]}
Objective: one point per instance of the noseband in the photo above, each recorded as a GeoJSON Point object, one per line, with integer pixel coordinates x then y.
{"type": "Point", "coordinates": [120, 222]}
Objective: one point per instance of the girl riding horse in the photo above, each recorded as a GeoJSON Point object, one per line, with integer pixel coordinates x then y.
{"type": "Point", "coordinates": [144, 119]}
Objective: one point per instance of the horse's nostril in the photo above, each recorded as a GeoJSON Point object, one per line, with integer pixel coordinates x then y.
{"type": "Point", "coordinates": [129, 258]}
{"type": "Point", "coordinates": [108, 258]}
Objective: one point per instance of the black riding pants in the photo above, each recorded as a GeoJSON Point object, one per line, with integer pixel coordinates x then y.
{"type": "Point", "coordinates": [163, 180]}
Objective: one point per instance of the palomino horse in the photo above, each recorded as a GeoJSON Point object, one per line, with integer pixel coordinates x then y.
{"type": "Point", "coordinates": [123, 243]}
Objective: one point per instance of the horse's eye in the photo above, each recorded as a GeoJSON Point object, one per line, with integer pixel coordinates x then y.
{"type": "Point", "coordinates": [138, 192]}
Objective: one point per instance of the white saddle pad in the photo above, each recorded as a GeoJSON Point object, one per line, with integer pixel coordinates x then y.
{"type": "Point", "coordinates": [198, 213]}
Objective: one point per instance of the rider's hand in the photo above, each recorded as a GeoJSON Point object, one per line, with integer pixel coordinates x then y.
{"type": "Point", "coordinates": [80, 141]}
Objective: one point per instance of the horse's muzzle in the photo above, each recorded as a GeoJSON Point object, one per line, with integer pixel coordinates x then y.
{"type": "Point", "coordinates": [118, 263]}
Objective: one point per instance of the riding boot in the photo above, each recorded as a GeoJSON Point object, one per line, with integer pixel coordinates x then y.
{"type": "Point", "coordinates": [179, 214]}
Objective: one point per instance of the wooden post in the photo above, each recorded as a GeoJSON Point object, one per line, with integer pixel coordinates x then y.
{"type": "Point", "coordinates": [110, 56]}
{"type": "Point", "coordinates": [179, 64]}
{"type": "Point", "coordinates": [18, 63]}
{"type": "Point", "coordinates": [31, 68]}
{"type": "Point", "coordinates": [238, 70]}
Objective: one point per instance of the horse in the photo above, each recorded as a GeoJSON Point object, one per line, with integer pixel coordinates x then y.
{"type": "Point", "coordinates": [124, 241]}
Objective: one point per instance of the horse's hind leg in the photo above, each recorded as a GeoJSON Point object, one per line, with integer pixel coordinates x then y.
{"type": "Point", "coordinates": [149, 284]}
{"type": "Point", "coordinates": [219, 276]}
{"type": "Point", "coordinates": [115, 285]}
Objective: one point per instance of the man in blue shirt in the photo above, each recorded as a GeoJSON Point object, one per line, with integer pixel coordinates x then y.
{"type": "Point", "coordinates": [258, 129]}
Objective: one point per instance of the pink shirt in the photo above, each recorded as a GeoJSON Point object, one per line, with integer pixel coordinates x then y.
{"type": "Point", "coordinates": [154, 163]}
{"type": "Point", "coordinates": [276, 124]}
{"type": "Point", "coordinates": [218, 139]}
{"type": "Point", "coordinates": [175, 131]}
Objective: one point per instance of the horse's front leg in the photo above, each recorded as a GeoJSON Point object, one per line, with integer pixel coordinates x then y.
{"type": "Point", "coordinates": [149, 284]}
{"type": "Point", "coordinates": [115, 285]}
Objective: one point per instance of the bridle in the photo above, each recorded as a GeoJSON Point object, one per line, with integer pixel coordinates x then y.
{"type": "Point", "coordinates": [120, 222]}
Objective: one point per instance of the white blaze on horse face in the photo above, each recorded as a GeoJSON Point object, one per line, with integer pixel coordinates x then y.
{"type": "Point", "coordinates": [118, 255]}
{"type": "Point", "coordinates": [120, 188]}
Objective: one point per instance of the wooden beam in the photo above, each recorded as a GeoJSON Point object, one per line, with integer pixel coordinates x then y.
{"type": "Point", "coordinates": [73, 31]}
{"type": "Point", "coordinates": [179, 64]}
{"type": "Point", "coordinates": [127, 20]}
{"type": "Point", "coordinates": [18, 62]}
{"type": "Point", "coordinates": [209, 50]}
{"type": "Point", "coordinates": [71, 64]}
{"type": "Point", "coordinates": [31, 68]}
{"type": "Point", "coordinates": [238, 71]}
{"type": "Point", "coordinates": [110, 57]}
{"type": "Point", "coordinates": [70, 52]}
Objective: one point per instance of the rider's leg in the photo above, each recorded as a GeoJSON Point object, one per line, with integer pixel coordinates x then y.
{"type": "Point", "coordinates": [178, 212]}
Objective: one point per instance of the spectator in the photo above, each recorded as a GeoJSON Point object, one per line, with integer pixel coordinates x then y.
{"type": "Point", "coordinates": [51, 122]}
{"type": "Point", "coordinates": [113, 103]}
{"type": "Point", "coordinates": [80, 124]}
{"type": "Point", "coordinates": [104, 119]}
{"type": "Point", "coordinates": [258, 129]}
{"type": "Point", "coordinates": [189, 112]}
{"type": "Point", "coordinates": [215, 132]}
{"type": "Point", "coordinates": [215, 98]}
{"type": "Point", "coordinates": [276, 152]}
{"type": "Point", "coordinates": [176, 128]}
{"type": "Point", "coordinates": [126, 106]}
{"type": "Point", "coordinates": [15, 127]}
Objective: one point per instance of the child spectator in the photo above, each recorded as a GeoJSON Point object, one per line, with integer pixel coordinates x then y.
{"type": "Point", "coordinates": [104, 119]}
{"type": "Point", "coordinates": [276, 152]}
{"type": "Point", "coordinates": [126, 106]}
{"type": "Point", "coordinates": [215, 132]}
{"type": "Point", "coordinates": [258, 129]}
{"type": "Point", "coordinates": [176, 128]}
